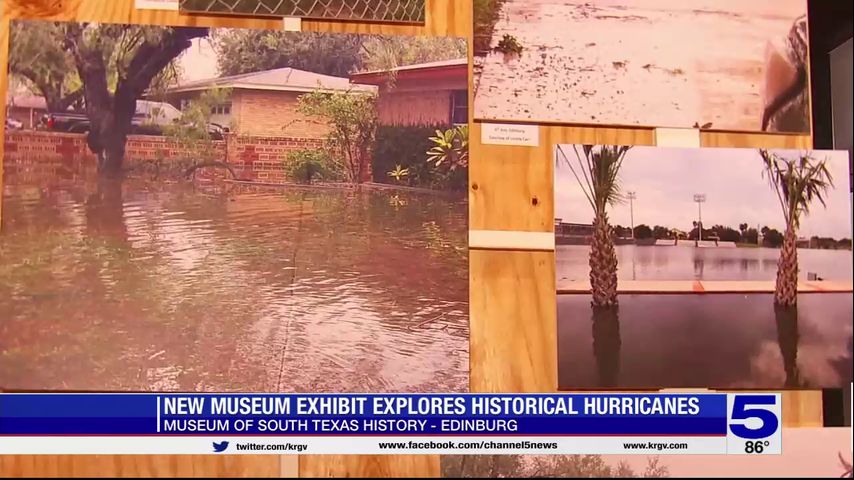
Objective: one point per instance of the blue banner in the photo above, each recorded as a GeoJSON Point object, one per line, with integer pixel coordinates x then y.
{"type": "Point", "coordinates": [682, 415]}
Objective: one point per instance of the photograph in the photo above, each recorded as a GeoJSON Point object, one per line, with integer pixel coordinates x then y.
{"type": "Point", "coordinates": [807, 452]}
{"type": "Point", "coordinates": [708, 64]}
{"type": "Point", "coordinates": [212, 209]}
{"type": "Point", "coordinates": [398, 11]}
{"type": "Point", "coordinates": [702, 267]}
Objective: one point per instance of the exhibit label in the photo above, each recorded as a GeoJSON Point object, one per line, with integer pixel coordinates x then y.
{"type": "Point", "coordinates": [505, 134]}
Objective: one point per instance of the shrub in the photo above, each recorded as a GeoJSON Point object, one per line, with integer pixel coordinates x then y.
{"type": "Point", "coordinates": [410, 148]}
{"type": "Point", "coordinates": [404, 146]}
{"type": "Point", "coordinates": [352, 120]}
{"type": "Point", "coordinates": [306, 166]}
{"type": "Point", "coordinates": [509, 45]}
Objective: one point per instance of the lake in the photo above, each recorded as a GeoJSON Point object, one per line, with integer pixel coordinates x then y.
{"type": "Point", "coordinates": [706, 341]}
{"type": "Point", "coordinates": [689, 263]}
{"type": "Point", "coordinates": [167, 286]}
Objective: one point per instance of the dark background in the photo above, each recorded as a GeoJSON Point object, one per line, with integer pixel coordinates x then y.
{"type": "Point", "coordinates": [830, 25]}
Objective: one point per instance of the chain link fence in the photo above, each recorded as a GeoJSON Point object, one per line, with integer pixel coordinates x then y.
{"type": "Point", "coordinates": [408, 11]}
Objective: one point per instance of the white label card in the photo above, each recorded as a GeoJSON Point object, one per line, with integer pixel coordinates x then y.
{"type": "Point", "coordinates": [677, 137]}
{"type": "Point", "coordinates": [292, 24]}
{"type": "Point", "coordinates": [506, 134]}
{"type": "Point", "coordinates": [156, 4]}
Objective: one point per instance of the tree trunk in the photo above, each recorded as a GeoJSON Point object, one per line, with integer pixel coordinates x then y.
{"type": "Point", "coordinates": [603, 264]}
{"type": "Point", "coordinates": [786, 291]}
{"type": "Point", "coordinates": [110, 115]}
{"type": "Point", "coordinates": [787, 337]}
{"type": "Point", "coordinates": [107, 138]}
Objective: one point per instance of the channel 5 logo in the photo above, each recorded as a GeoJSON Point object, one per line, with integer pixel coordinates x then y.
{"type": "Point", "coordinates": [754, 423]}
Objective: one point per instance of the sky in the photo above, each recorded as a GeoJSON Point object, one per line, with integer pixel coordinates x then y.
{"type": "Point", "coordinates": [198, 62]}
{"type": "Point", "coordinates": [666, 179]}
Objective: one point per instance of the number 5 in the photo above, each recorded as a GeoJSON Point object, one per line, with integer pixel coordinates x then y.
{"type": "Point", "coordinates": [740, 411]}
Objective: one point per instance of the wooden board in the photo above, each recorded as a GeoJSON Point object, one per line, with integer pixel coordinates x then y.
{"type": "Point", "coordinates": [369, 466]}
{"type": "Point", "coordinates": [201, 466]}
{"type": "Point", "coordinates": [513, 312]}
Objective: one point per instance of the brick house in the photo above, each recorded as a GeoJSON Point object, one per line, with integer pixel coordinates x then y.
{"type": "Point", "coordinates": [264, 103]}
{"type": "Point", "coordinates": [422, 94]}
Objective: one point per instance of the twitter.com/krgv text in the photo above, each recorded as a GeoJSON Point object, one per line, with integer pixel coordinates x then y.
{"type": "Point", "coordinates": [220, 447]}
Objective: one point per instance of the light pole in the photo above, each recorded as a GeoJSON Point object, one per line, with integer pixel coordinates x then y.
{"type": "Point", "coordinates": [700, 198]}
{"type": "Point", "coordinates": [632, 196]}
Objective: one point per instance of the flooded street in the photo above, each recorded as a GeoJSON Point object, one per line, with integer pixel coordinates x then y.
{"type": "Point", "coordinates": [688, 263]}
{"type": "Point", "coordinates": [632, 62]}
{"type": "Point", "coordinates": [705, 341]}
{"type": "Point", "coordinates": [168, 287]}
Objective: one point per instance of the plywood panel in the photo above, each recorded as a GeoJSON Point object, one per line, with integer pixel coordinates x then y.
{"type": "Point", "coordinates": [87, 466]}
{"type": "Point", "coordinates": [514, 313]}
{"type": "Point", "coordinates": [803, 409]}
{"type": "Point", "coordinates": [369, 466]}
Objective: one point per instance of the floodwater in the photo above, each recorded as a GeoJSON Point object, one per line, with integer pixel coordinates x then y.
{"type": "Point", "coordinates": [172, 287]}
{"type": "Point", "coordinates": [706, 341]}
{"type": "Point", "coordinates": [668, 63]}
{"type": "Point", "coordinates": [689, 263]}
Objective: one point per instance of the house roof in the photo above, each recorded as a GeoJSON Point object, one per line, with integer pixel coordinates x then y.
{"type": "Point", "coordinates": [26, 101]}
{"type": "Point", "coordinates": [444, 68]}
{"type": "Point", "coordinates": [280, 79]}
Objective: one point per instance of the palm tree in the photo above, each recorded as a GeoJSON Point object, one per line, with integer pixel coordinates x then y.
{"type": "Point", "coordinates": [798, 182]}
{"type": "Point", "coordinates": [597, 174]}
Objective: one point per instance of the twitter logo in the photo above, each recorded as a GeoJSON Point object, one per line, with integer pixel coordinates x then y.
{"type": "Point", "coordinates": [220, 447]}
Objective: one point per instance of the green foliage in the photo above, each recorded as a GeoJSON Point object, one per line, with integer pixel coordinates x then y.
{"type": "Point", "coordinates": [306, 166]}
{"type": "Point", "coordinates": [643, 232]}
{"type": "Point", "coordinates": [544, 466]}
{"type": "Point", "coordinates": [244, 51]}
{"type": "Point", "coordinates": [399, 174]}
{"type": "Point", "coordinates": [597, 173]}
{"type": "Point", "coordinates": [247, 50]}
{"type": "Point", "coordinates": [406, 146]}
{"type": "Point", "coordinates": [403, 146]}
{"type": "Point", "coordinates": [481, 466]}
{"type": "Point", "coordinates": [509, 45]}
{"type": "Point", "coordinates": [37, 57]}
{"type": "Point", "coordinates": [450, 148]}
{"type": "Point", "coordinates": [38, 54]}
{"type": "Point", "coordinates": [385, 52]}
{"type": "Point", "coordinates": [352, 121]}
{"type": "Point", "coordinates": [771, 237]}
{"type": "Point", "coordinates": [486, 13]}
{"type": "Point", "coordinates": [191, 132]}
{"type": "Point", "coordinates": [798, 182]}
{"type": "Point", "coordinates": [196, 116]}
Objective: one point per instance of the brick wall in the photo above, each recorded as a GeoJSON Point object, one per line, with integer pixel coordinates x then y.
{"type": "Point", "coordinates": [251, 157]}
{"type": "Point", "coordinates": [272, 114]}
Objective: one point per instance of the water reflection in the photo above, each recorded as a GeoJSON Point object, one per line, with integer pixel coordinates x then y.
{"type": "Point", "coordinates": [606, 344]}
{"type": "Point", "coordinates": [139, 286]}
{"type": "Point", "coordinates": [787, 336]}
{"type": "Point", "coordinates": [705, 341]}
{"type": "Point", "coordinates": [689, 263]}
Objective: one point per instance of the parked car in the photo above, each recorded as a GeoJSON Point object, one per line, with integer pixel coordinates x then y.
{"type": "Point", "coordinates": [150, 119]}
{"type": "Point", "coordinates": [12, 124]}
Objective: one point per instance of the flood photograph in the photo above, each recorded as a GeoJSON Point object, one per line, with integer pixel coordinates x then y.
{"type": "Point", "coordinates": [185, 211]}
{"type": "Point", "coordinates": [674, 262]}
{"type": "Point", "coordinates": [404, 11]}
{"type": "Point", "coordinates": [808, 452]}
{"type": "Point", "coordinates": [719, 65]}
